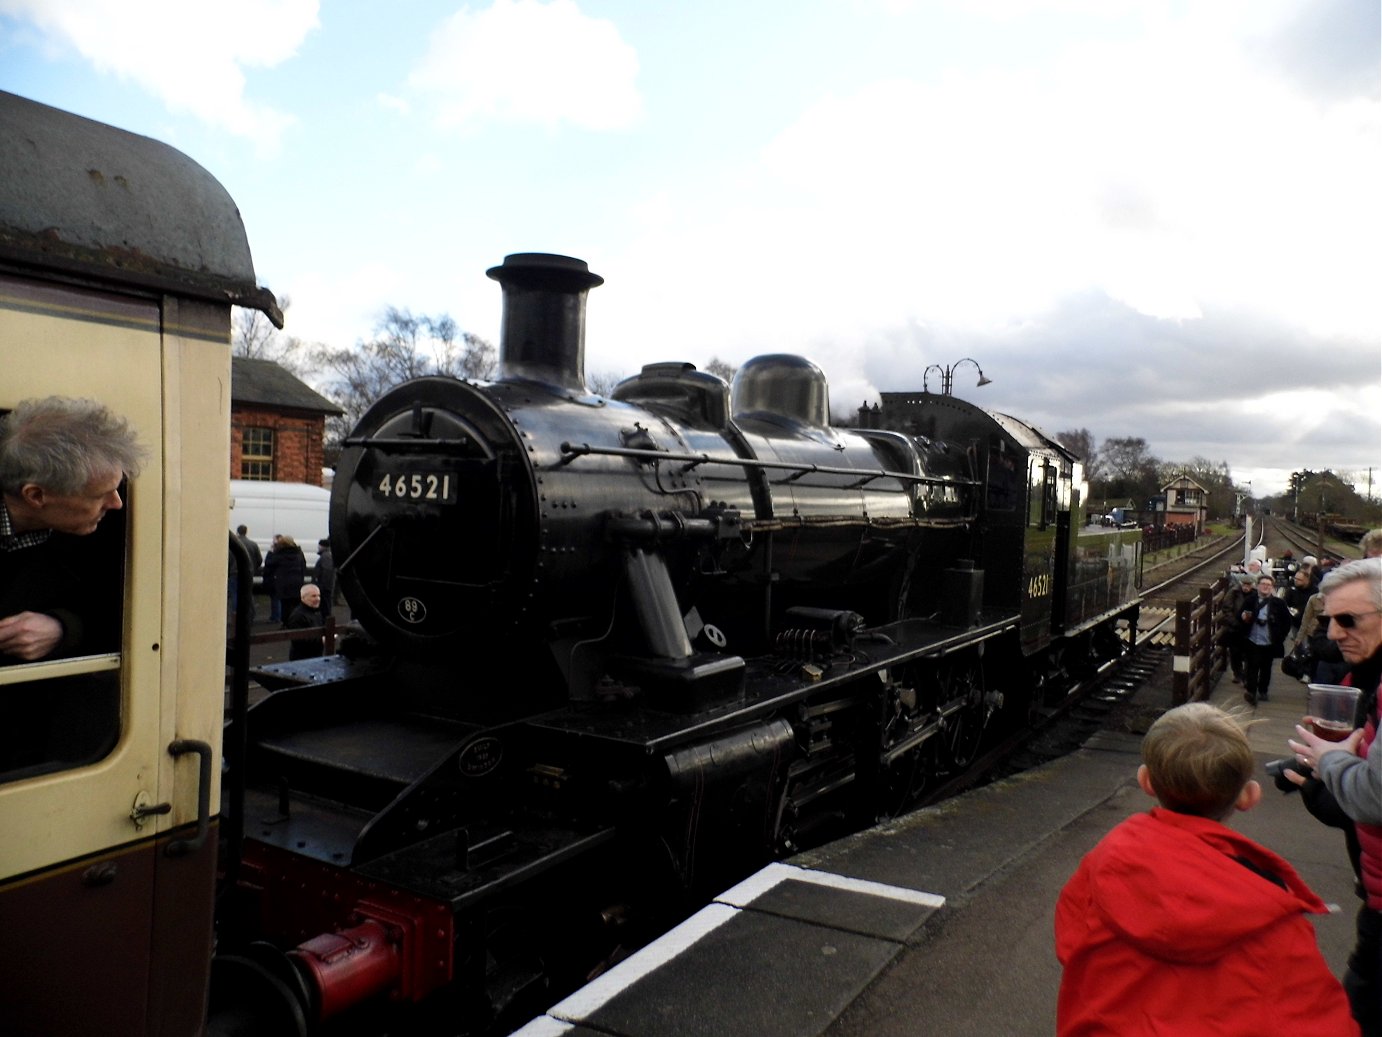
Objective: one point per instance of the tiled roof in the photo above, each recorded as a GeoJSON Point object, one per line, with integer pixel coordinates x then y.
{"type": "Point", "coordinates": [266, 384]}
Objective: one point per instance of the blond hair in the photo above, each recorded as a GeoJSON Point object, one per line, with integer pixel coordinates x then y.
{"type": "Point", "coordinates": [1198, 760]}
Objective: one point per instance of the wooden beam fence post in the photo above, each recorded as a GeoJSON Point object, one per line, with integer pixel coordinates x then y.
{"type": "Point", "coordinates": [1199, 656]}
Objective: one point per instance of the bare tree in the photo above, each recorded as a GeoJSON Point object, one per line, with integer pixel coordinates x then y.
{"type": "Point", "coordinates": [253, 336]}
{"type": "Point", "coordinates": [1130, 470]}
{"type": "Point", "coordinates": [1080, 442]}
{"type": "Point", "coordinates": [404, 347]}
{"type": "Point", "coordinates": [719, 367]}
{"type": "Point", "coordinates": [602, 383]}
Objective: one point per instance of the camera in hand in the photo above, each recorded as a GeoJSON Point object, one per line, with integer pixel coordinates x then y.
{"type": "Point", "coordinates": [1278, 768]}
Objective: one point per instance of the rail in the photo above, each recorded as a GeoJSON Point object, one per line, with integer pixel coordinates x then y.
{"type": "Point", "coordinates": [1301, 538]}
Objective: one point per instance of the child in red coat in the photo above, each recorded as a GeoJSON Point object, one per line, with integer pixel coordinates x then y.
{"type": "Point", "coordinates": [1175, 924]}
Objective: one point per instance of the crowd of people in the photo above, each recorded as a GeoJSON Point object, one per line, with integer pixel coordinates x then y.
{"type": "Point", "coordinates": [1174, 923]}
{"type": "Point", "coordinates": [1258, 620]}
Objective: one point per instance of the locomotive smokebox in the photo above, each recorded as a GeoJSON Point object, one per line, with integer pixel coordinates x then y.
{"type": "Point", "coordinates": [542, 337]}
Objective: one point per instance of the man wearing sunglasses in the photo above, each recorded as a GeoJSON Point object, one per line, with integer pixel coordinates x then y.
{"type": "Point", "coordinates": [1351, 770]}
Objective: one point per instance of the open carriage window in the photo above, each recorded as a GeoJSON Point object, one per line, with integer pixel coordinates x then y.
{"type": "Point", "coordinates": [62, 594]}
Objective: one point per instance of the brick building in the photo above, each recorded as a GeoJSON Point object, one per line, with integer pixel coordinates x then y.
{"type": "Point", "coordinates": [277, 424]}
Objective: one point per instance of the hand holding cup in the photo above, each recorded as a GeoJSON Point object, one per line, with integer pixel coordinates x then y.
{"type": "Point", "coordinates": [1330, 710]}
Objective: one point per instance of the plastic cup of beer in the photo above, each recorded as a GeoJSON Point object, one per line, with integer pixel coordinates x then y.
{"type": "Point", "coordinates": [1330, 709]}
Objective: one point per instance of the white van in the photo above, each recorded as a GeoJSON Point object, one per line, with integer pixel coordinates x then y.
{"type": "Point", "coordinates": [292, 508]}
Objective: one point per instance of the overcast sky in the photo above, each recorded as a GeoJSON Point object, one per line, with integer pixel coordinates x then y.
{"type": "Point", "coordinates": [1141, 217]}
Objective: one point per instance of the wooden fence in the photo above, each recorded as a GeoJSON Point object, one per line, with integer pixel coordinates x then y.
{"type": "Point", "coordinates": [1200, 659]}
{"type": "Point", "coordinates": [329, 634]}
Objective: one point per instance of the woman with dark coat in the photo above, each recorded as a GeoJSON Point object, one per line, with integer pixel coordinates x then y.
{"type": "Point", "coordinates": [1268, 622]}
{"type": "Point", "coordinates": [285, 569]}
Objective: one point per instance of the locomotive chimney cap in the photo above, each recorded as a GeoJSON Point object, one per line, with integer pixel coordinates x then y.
{"type": "Point", "coordinates": [544, 270]}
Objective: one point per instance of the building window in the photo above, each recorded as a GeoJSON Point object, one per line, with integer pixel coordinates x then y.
{"type": "Point", "coordinates": [257, 454]}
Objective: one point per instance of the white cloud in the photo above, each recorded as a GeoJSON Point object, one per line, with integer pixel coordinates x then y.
{"type": "Point", "coordinates": [1164, 171]}
{"type": "Point", "coordinates": [530, 62]}
{"type": "Point", "coordinates": [191, 55]}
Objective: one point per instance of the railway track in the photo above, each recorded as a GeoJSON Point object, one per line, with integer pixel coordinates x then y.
{"type": "Point", "coordinates": [1308, 542]}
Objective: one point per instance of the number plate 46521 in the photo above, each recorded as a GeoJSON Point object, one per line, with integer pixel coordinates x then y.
{"type": "Point", "coordinates": [437, 487]}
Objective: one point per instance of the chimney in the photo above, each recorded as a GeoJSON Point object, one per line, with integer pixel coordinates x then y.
{"type": "Point", "coordinates": [542, 337]}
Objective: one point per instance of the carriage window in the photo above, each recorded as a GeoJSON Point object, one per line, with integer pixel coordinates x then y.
{"type": "Point", "coordinates": [257, 453]}
{"type": "Point", "coordinates": [62, 709]}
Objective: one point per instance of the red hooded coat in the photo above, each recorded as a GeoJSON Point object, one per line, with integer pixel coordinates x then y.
{"type": "Point", "coordinates": [1163, 932]}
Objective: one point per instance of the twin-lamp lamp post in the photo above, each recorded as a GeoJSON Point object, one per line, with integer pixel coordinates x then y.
{"type": "Point", "coordinates": [947, 373]}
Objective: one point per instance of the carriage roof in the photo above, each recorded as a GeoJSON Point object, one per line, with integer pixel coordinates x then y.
{"type": "Point", "coordinates": [106, 205]}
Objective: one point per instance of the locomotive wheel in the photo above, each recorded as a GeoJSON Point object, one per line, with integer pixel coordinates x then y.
{"type": "Point", "coordinates": [962, 685]}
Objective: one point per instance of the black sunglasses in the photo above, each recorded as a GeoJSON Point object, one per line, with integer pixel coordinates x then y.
{"type": "Point", "coordinates": [1349, 620]}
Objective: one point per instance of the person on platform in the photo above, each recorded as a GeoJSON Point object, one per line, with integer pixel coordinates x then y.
{"type": "Point", "coordinates": [61, 465]}
{"type": "Point", "coordinates": [1176, 924]}
{"type": "Point", "coordinates": [285, 571]}
{"type": "Point", "coordinates": [1351, 770]}
{"type": "Point", "coordinates": [1327, 664]}
{"type": "Point", "coordinates": [1232, 628]}
{"type": "Point", "coordinates": [306, 615]}
{"type": "Point", "coordinates": [1311, 565]}
{"type": "Point", "coordinates": [1268, 622]}
{"type": "Point", "coordinates": [256, 565]}
{"type": "Point", "coordinates": [324, 574]}
{"type": "Point", "coordinates": [1297, 596]}
{"type": "Point", "coordinates": [256, 558]}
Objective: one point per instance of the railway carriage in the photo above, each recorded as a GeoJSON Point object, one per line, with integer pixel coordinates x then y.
{"type": "Point", "coordinates": [119, 262]}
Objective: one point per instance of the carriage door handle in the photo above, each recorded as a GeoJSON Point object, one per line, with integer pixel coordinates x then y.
{"type": "Point", "coordinates": [180, 747]}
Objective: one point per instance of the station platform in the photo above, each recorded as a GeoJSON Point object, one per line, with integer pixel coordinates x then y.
{"type": "Point", "coordinates": [939, 922]}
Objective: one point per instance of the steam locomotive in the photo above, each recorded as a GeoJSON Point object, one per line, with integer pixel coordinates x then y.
{"type": "Point", "coordinates": [622, 650]}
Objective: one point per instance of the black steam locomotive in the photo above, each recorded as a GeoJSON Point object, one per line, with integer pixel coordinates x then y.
{"type": "Point", "coordinates": [624, 650]}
